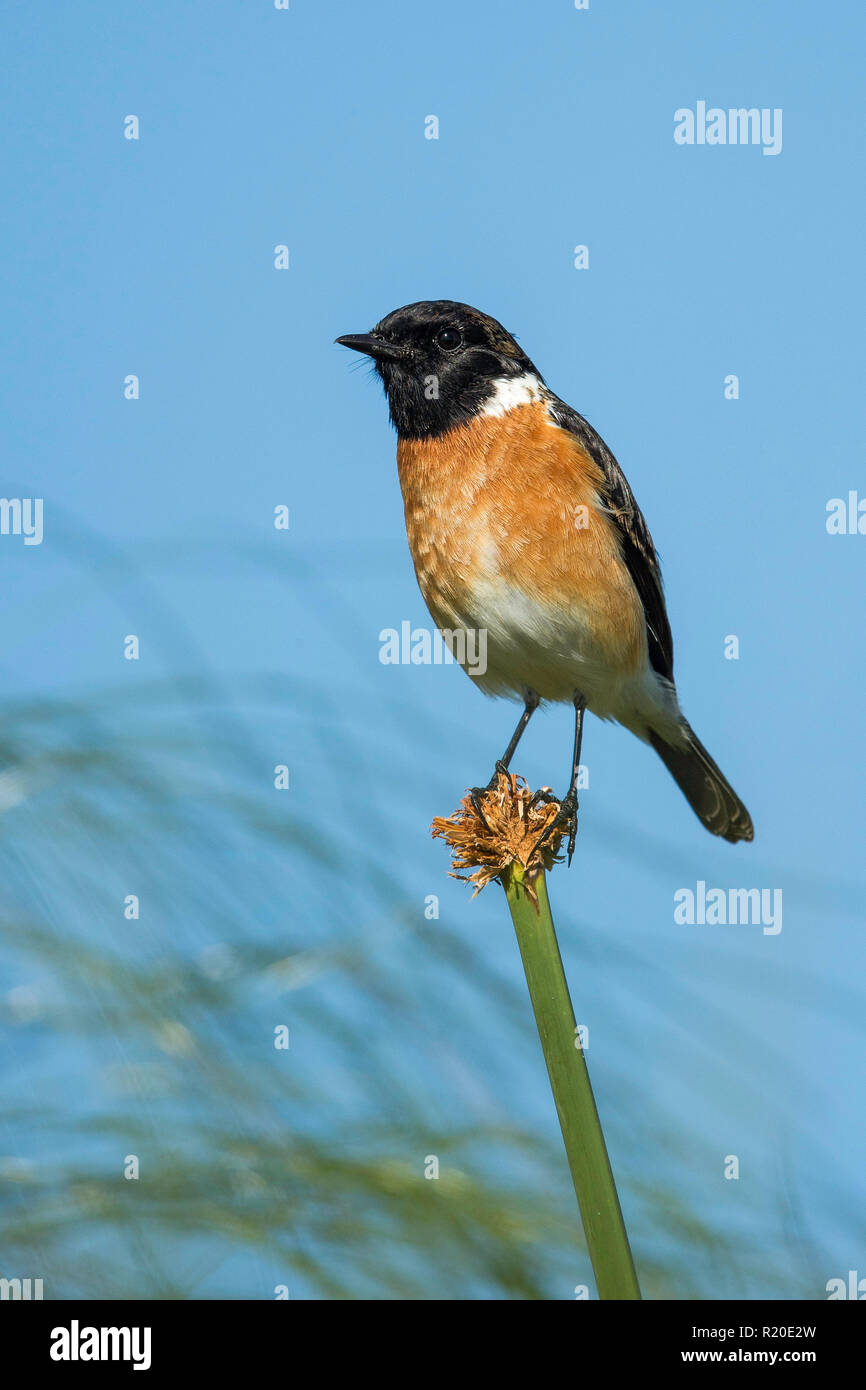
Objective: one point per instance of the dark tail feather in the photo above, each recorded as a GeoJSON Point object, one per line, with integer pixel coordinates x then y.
{"type": "Point", "coordinates": [710, 796]}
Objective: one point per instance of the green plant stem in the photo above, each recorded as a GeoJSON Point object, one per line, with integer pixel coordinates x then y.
{"type": "Point", "coordinates": [606, 1237]}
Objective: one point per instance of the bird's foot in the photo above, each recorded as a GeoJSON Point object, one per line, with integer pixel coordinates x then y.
{"type": "Point", "coordinates": [565, 818]}
{"type": "Point", "coordinates": [476, 793]}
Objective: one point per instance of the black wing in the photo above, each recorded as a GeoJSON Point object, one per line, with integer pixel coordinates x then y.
{"type": "Point", "coordinates": [638, 550]}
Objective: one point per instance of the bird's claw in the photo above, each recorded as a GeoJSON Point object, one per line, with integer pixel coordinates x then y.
{"type": "Point", "coordinates": [543, 796]}
{"type": "Point", "coordinates": [566, 816]}
{"type": "Point", "coordinates": [476, 793]}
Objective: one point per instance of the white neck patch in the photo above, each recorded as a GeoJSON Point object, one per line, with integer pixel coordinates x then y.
{"type": "Point", "coordinates": [511, 391]}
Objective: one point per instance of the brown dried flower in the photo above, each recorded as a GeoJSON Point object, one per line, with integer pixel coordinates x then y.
{"type": "Point", "coordinates": [506, 834]}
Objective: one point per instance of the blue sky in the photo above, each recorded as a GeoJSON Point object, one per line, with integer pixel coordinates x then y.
{"type": "Point", "coordinates": [306, 128]}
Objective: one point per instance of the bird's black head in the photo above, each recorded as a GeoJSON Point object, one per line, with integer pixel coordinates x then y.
{"type": "Point", "coordinates": [440, 362]}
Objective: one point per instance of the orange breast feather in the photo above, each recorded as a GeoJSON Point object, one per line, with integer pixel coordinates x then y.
{"type": "Point", "coordinates": [512, 501]}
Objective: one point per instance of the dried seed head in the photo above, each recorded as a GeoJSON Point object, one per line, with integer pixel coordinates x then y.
{"type": "Point", "coordinates": [510, 828]}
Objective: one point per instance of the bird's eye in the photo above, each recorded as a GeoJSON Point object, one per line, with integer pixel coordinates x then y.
{"type": "Point", "coordinates": [448, 339]}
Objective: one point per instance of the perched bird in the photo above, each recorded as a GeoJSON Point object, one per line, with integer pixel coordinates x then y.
{"type": "Point", "coordinates": [522, 526]}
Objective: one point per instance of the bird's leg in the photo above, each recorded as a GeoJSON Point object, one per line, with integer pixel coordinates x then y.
{"type": "Point", "coordinates": [567, 814]}
{"type": "Point", "coordinates": [531, 701]}
{"type": "Point", "coordinates": [530, 705]}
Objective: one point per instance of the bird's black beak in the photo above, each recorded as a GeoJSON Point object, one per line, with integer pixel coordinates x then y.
{"type": "Point", "coordinates": [373, 346]}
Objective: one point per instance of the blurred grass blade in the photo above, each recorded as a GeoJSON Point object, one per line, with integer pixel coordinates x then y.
{"type": "Point", "coordinates": [606, 1236]}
